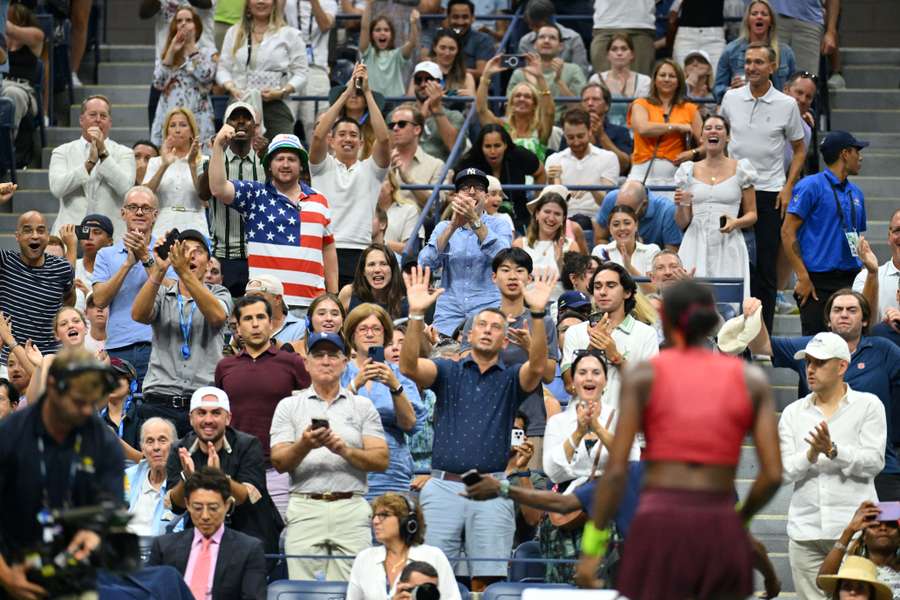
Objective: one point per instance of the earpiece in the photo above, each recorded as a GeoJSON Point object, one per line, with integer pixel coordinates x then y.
{"type": "Point", "coordinates": [409, 525]}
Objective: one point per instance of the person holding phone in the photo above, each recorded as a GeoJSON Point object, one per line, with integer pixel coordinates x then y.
{"type": "Point", "coordinates": [396, 398]}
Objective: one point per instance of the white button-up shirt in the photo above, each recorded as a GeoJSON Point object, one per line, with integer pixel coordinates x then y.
{"type": "Point", "coordinates": [888, 274]}
{"type": "Point", "coordinates": [369, 582]}
{"type": "Point", "coordinates": [828, 492]}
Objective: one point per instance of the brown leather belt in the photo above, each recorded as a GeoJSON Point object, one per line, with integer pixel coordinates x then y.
{"type": "Point", "coordinates": [331, 496]}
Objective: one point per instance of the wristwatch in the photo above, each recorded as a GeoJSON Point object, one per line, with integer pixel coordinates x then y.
{"type": "Point", "coordinates": [399, 390]}
{"type": "Point", "coordinates": [149, 262]}
{"type": "Point", "coordinates": [476, 224]}
{"type": "Point", "coordinates": [504, 488]}
{"type": "Point", "coordinates": [832, 453]}
{"type": "Point", "coordinates": [104, 155]}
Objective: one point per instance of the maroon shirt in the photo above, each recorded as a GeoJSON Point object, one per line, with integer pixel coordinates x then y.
{"type": "Point", "coordinates": [256, 386]}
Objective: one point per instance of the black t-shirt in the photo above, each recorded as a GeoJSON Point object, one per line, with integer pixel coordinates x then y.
{"type": "Point", "coordinates": [702, 13]}
{"type": "Point", "coordinates": [517, 163]}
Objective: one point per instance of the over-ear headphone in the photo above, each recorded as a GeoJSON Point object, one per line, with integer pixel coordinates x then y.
{"type": "Point", "coordinates": [409, 525]}
{"type": "Point", "coordinates": [61, 374]}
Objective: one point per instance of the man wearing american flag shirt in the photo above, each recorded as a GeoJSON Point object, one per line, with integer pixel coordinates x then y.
{"type": "Point", "coordinates": [288, 223]}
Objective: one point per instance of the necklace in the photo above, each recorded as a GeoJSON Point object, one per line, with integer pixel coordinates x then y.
{"type": "Point", "coordinates": [392, 567]}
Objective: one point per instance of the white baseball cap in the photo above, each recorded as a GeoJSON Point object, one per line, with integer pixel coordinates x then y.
{"type": "Point", "coordinates": [494, 185]}
{"type": "Point", "coordinates": [265, 283]}
{"type": "Point", "coordinates": [555, 188]}
{"type": "Point", "coordinates": [201, 399]}
{"type": "Point", "coordinates": [236, 105]}
{"type": "Point", "coordinates": [432, 68]}
{"type": "Point", "coordinates": [825, 345]}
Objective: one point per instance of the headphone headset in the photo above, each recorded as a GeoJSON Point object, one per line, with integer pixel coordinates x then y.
{"type": "Point", "coordinates": [62, 374]}
{"type": "Point", "coordinates": [409, 525]}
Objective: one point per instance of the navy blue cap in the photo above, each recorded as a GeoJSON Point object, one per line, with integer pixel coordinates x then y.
{"type": "Point", "coordinates": [193, 234]}
{"type": "Point", "coordinates": [323, 336]}
{"type": "Point", "coordinates": [98, 221]}
{"type": "Point", "coordinates": [836, 141]}
{"type": "Point", "coordinates": [573, 299]}
{"type": "Point", "coordinates": [471, 173]}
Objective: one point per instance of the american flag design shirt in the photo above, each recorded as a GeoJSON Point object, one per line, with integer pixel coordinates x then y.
{"type": "Point", "coordinates": [286, 239]}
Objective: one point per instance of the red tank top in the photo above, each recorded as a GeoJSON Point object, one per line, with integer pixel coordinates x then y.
{"type": "Point", "coordinates": [699, 409]}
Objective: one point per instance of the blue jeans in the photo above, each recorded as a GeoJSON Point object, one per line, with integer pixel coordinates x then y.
{"type": "Point", "coordinates": [139, 357]}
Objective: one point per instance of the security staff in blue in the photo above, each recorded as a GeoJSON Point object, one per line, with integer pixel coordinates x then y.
{"type": "Point", "coordinates": [823, 229]}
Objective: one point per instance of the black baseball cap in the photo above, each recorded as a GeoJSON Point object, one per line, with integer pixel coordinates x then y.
{"type": "Point", "coordinates": [193, 234]}
{"type": "Point", "coordinates": [472, 174]}
{"type": "Point", "coordinates": [836, 141]}
{"type": "Point", "coordinates": [99, 221]}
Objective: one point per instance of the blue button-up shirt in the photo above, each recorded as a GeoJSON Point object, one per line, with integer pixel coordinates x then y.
{"type": "Point", "coordinates": [823, 243]}
{"type": "Point", "coordinates": [400, 468]}
{"type": "Point", "coordinates": [874, 368]}
{"type": "Point", "coordinates": [657, 224]}
{"type": "Point", "coordinates": [466, 274]}
{"type": "Point", "coordinates": [473, 415]}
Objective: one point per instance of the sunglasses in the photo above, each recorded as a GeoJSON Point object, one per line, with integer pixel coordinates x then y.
{"type": "Point", "coordinates": [425, 79]}
{"type": "Point", "coordinates": [807, 75]}
{"type": "Point", "coordinates": [401, 124]}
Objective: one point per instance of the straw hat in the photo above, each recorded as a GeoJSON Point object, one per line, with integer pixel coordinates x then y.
{"type": "Point", "coordinates": [856, 568]}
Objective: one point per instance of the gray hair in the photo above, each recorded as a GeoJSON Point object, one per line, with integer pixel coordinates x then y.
{"type": "Point", "coordinates": [159, 420]}
{"type": "Point", "coordinates": [140, 189]}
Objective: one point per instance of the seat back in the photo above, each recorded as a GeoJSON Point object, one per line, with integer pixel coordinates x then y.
{"type": "Point", "coordinates": [512, 590]}
{"type": "Point", "coordinates": [530, 571]}
{"type": "Point", "coordinates": [286, 589]}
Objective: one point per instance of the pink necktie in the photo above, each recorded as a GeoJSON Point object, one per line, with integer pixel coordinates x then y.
{"type": "Point", "coordinates": [200, 576]}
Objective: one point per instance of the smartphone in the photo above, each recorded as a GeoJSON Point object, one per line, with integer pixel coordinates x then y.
{"type": "Point", "coordinates": [890, 511]}
{"type": "Point", "coordinates": [596, 317]}
{"type": "Point", "coordinates": [512, 61]}
{"type": "Point", "coordinates": [83, 233]}
{"type": "Point", "coordinates": [359, 86]}
{"type": "Point", "coordinates": [376, 353]}
{"type": "Point", "coordinates": [518, 437]}
{"type": "Point", "coordinates": [171, 238]}
{"type": "Point", "coordinates": [471, 477]}
{"type": "Point", "coordinates": [320, 424]}
{"type": "Point", "coordinates": [722, 221]}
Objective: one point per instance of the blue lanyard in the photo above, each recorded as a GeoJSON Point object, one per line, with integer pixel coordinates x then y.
{"type": "Point", "coordinates": [125, 409]}
{"type": "Point", "coordinates": [185, 326]}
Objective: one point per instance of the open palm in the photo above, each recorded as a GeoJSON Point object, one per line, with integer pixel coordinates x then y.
{"type": "Point", "coordinates": [418, 294]}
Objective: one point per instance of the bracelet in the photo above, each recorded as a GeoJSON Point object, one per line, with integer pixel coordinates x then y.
{"type": "Point", "coordinates": [14, 346]}
{"type": "Point", "coordinates": [539, 315]}
{"type": "Point", "coordinates": [695, 153]}
{"type": "Point", "coordinates": [839, 546]}
{"type": "Point", "coordinates": [416, 317]}
{"type": "Point", "coordinates": [520, 475]}
{"type": "Point", "coordinates": [594, 541]}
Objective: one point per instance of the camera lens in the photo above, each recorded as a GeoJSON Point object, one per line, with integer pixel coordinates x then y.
{"type": "Point", "coordinates": [426, 591]}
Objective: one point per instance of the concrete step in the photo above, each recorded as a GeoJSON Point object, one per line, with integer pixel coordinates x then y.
{"type": "Point", "coordinates": [867, 120]}
{"type": "Point", "coordinates": [872, 76]}
{"type": "Point", "coordinates": [132, 115]}
{"type": "Point", "coordinates": [135, 53]}
{"type": "Point", "coordinates": [117, 94]}
{"type": "Point", "coordinates": [780, 377]}
{"type": "Point", "coordinates": [870, 56]}
{"type": "Point", "coordinates": [882, 186]}
{"type": "Point", "coordinates": [8, 242]}
{"type": "Point", "coordinates": [881, 209]}
{"type": "Point", "coordinates": [32, 179]}
{"type": "Point", "coordinates": [860, 99]}
{"type": "Point", "coordinates": [8, 221]}
{"type": "Point", "coordinates": [880, 162]}
{"type": "Point", "coordinates": [40, 200]}
{"type": "Point", "coordinates": [123, 135]}
{"type": "Point", "coordinates": [879, 141]}
{"type": "Point", "coordinates": [126, 73]}
{"type": "Point", "coordinates": [878, 229]}
{"type": "Point", "coordinates": [787, 325]}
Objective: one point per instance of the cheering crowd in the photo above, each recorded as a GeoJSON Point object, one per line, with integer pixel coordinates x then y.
{"type": "Point", "coordinates": [267, 344]}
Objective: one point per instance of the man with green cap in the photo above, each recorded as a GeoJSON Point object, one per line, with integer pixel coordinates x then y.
{"type": "Point", "coordinates": [287, 223]}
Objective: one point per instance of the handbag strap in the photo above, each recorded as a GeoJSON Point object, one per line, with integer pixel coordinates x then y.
{"type": "Point", "coordinates": [596, 464]}
{"type": "Point", "coordinates": [655, 150]}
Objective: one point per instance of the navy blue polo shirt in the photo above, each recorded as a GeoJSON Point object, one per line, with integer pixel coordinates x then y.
{"type": "Point", "coordinates": [477, 46]}
{"type": "Point", "coordinates": [823, 243]}
{"type": "Point", "coordinates": [473, 415]}
{"type": "Point", "coordinates": [657, 225]}
{"type": "Point", "coordinates": [874, 368]}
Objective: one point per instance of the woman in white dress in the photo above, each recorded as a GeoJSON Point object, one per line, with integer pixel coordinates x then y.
{"type": "Point", "coordinates": [173, 176]}
{"type": "Point", "coordinates": [545, 240]}
{"type": "Point", "coordinates": [711, 194]}
{"type": "Point", "coordinates": [624, 247]}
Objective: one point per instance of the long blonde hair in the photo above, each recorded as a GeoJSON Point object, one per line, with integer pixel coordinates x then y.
{"type": "Point", "coordinates": [192, 121]}
{"type": "Point", "coordinates": [773, 29]}
{"type": "Point", "coordinates": [276, 22]}
{"type": "Point", "coordinates": [535, 119]}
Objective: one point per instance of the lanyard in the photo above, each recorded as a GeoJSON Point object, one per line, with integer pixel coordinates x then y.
{"type": "Point", "coordinates": [840, 210]}
{"type": "Point", "coordinates": [125, 409]}
{"type": "Point", "coordinates": [73, 468]}
{"type": "Point", "coordinates": [185, 326]}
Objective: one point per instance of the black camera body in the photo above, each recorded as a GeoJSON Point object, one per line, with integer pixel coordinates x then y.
{"type": "Point", "coordinates": [426, 591]}
{"type": "Point", "coordinates": [52, 567]}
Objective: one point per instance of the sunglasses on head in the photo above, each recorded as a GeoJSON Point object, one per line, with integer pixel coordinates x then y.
{"type": "Point", "coordinates": [808, 75]}
{"type": "Point", "coordinates": [400, 123]}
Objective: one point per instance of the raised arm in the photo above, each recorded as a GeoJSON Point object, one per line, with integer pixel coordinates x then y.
{"type": "Point", "coordinates": [145, 301]}
{"type": "Point", "coordinates": [318, 148]}
{"type": "Point", "coordinates": [219, 185]}
{"type": "Point", "coordinates": [485, 115]}
{"type": "Point", "coordinates": [365, 21]}
{"type": "Point", "coordinates": [381, 150]}
{"type": "Point", "coordinates": [413, 42]}
{"type": "Point", "coordinates": [532, 372]}
{"type": "Point", "coordinates": [546, 106]}
{"type": "Point", "coordinates": [212, 309]}
{"type": "Point", "coordinates": [422, 371]}
{"type": "Point", "coordinates": [870, 263]}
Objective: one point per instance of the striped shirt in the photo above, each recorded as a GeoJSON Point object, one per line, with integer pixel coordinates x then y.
{"type": "Point", "coordinates": [32, 296]}
{"type": "Point", "coordinates": [226, 227]}
{"type": "Point", "coordinates": [285, 240]}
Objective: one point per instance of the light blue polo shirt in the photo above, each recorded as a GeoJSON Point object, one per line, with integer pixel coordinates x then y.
{"type": "Point", "coordinates": [810, 11]}
{"type": "Point", "coordinates": [823, 243]}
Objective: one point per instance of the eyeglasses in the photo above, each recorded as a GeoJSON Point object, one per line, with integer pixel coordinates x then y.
{"type": "Point", "coordinates": [401, 124]}
{"type": "Point", "coordinates": [381, 516]}
{"type": "Point", "coordinates": [425, 79]}
{"type": "Point", "coordinates": [370, 329]}
{"type": "Point", "coordinates": [138, 209]}
{"type": "Point", "coordinates": [471, 187]}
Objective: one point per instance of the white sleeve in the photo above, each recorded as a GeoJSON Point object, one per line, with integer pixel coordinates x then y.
{"type": "Point", "coordinates": [576, 339]}
{"type": "Point", "coordinates": [282, 429]}
{"type": "Point", "coordinates": [610, 169]}
{"type": "Point", "coordinates": [684, 174]}
{"type": "Point", "coordinates": [746, 174]}
{"type": "Point", "coordinates": [556, 466]}
{"type": "Point", "coordinates": [793, 455]}
{"type": "Point", "coordinates": [63, 180]}
{"type": "Point", "coordinates": [860, 282]}
{"type": "Point", "coordinates": [446, 579]}
{"type": "Point", "coordinates": [224, 72]}
{"type": "Point", "coordinates": [864, 456]}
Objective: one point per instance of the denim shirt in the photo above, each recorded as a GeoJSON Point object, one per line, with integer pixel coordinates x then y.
{"type": "Point", "coordinates": [399, 473]}
{"type": "Point", "coordinates": [466, 270]}
{"type": "Point", "coordinates": [732, 62]}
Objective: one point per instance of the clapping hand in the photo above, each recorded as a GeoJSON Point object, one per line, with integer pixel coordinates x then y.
{"type": "Point", "coordinates": [419, 296]}
{"type": "Point", "coordinates": [819, 441]}
{"type": "Point", "coordinates": [6, 334]}
{"type": "Point", "coordinates": [212, 457]}
{"type": "Point", "coordinates": [463, 210]}
{"type": "Point", "coordinates": [867, 255]}
{"type": "Point", "coordinates": [195, 150]}
{"type": "Point", "coordinates": [33, 353]}
{"type": "Point", "coordinates": [136, 245]}
{"type": "Point", "coordinates": [533, 66]}
{"type": "Point", "coordinates": [601, 339]}
{"type": "Point", "coordinates": [584, 412]}
{"type": "Point", "coordinates": [538, 294]}
{"type": "Point", "coordinates": [187, 463]}
{"type": "Point", "coordinates": [167, 152]}
{"type": "Point", "coordinates": [179, 259]}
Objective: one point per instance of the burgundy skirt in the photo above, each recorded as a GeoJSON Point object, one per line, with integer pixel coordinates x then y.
{"type": "Point", "coordinates": [686, 544]}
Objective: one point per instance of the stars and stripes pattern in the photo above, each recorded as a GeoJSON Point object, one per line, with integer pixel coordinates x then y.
{"type": "Point", "coordinates": [284, 241]}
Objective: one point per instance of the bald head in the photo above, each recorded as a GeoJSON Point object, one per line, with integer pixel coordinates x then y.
{"type": "Point", "coordinates": [33, 218]}
{"type": "Point", "coordinates": [32, 235]}
{"type": "Point", "coordinates": [632, 193]}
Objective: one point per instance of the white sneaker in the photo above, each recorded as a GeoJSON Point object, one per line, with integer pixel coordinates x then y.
{"type": "Point", "coordinates": [836, 82]}
{"type": "Point", "coordinates": [76, 83]}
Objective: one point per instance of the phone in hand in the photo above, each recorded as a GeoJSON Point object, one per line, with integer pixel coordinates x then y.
{"type": "Point", "coordinates": [376, 353]}
{"type": "Point", "coordinates": [358, 85]}
{"type": "Point", "coordinates": [320, 424]}
{"type": "Point", "coordinates": [596, 317]}
{"type": "Point", "coordinates": [471, 477]}
{"type": "Point", "coordinates": [171, 238]}
{"type": "Point", "coordinates": [722, 221]}
{"type": "Point", "coordinates": [83, 232]}
{"type": "Point", "coordinates": [512, 61]}
{"type": "Point", "coordinates": [890, 511]}
{"type": "Point", "coordinates": [518, 438]}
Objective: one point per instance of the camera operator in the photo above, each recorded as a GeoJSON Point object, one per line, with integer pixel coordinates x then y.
{"type": "Point", "coordinates": [418, 581]}
{"type": "Point", "coordinates": [55, 454]}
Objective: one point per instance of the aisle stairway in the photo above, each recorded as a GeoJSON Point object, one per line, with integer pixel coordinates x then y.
{"type": "Point", "coordinates": [870, 108]}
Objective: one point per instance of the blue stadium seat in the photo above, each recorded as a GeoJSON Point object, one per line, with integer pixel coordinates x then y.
{"type": "Point", "coordinates": [286, 589]}
{"type": "Point", "coordinates": [463, 591]}
{"type": "Point", "coordinates": [509, 590]}
{"type": "Point", "coordinates": [528, 572]}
